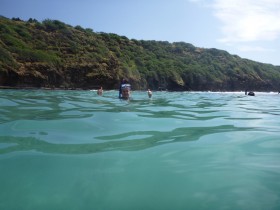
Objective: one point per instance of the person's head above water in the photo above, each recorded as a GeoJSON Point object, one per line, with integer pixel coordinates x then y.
{"type": "Point", "coordinates": [125, 91]}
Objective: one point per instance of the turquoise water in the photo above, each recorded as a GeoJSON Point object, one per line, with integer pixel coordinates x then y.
{"type": "Point", "coordinates": [177, 150]}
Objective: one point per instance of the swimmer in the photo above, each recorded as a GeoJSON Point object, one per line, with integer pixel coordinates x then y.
{"type": "Point", "coordinates": [125, 91]}
{"type": "Point", "coordinates": [149, 93]}
{"type": "Point", "coordinates": [100, 91]}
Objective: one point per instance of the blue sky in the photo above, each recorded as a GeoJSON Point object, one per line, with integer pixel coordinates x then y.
{"type": "Point", "coordinates": [247, 28]}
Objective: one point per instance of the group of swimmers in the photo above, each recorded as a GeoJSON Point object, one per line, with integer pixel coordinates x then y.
{"type": "Point", "coordinates": [124, 90]}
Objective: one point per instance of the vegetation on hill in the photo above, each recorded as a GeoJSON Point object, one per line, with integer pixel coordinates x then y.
{"type": "Point", "coordinates": [52, 54]}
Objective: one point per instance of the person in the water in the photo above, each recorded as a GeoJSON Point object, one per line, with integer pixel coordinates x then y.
{"type": "Point", "coordinates": [124, 91]}
{"type": "Point", "coordinates": [120, 89]}
{"type": "Point", "coordinates": [251, 93]}
{"type": "Point", "coordinates": [100, 91]}
{"type": "Point", "coordinates": [149, 93]}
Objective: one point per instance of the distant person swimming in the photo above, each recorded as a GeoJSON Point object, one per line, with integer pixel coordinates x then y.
{"type": "Point", "coordinates": [149, 93]}
{"type": "Point", "coordinates": [250, 93]}
{"type": "Point", "coordinates": [100, 91]}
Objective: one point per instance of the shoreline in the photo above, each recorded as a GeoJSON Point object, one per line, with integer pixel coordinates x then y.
{"type": "Point", "coordinates": [85, 89]}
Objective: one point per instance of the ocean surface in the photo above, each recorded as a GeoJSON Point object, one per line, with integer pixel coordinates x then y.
{"type": "Point", "coordinates": [75, 150]}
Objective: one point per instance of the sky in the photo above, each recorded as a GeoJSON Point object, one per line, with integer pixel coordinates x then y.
{"type": "Point", "coordinates": [247, 28]}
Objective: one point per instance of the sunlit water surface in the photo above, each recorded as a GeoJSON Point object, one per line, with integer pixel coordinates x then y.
{"type": "Point", "coordinates": [177, 150]}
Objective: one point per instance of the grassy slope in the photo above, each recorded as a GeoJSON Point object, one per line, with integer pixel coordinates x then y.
{"type": "Point", "coordinates": [54, 54]}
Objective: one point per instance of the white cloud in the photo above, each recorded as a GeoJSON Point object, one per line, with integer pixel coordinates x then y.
{"type": "Point", "coordinates": [248, 20]}
{"type": "Point", "coordinates": [247, 48]}
{"type": "Point", "coordinates": [249, 28]}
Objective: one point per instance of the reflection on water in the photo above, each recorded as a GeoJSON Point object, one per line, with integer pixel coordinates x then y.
{"type": "Point", "coordinates": [126, 141]}
{"type": "Point", "coordinates": [177, 150]}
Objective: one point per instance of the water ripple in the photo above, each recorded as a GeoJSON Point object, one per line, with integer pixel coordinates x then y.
{"type": "Point", "coordinates": [129, 141]}
{"type": "Point", "coordinates": [81, 119]}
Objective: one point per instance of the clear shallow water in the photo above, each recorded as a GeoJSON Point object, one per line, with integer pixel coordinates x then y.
{"type": "Point", "coordinates": [178, 150]}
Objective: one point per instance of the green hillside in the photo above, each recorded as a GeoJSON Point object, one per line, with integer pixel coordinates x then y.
{"type": "Point", "coordinates": [52, 54]}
